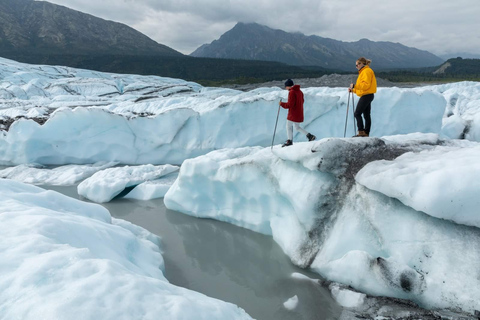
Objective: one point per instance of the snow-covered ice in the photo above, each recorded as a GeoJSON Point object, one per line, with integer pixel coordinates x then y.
{"type": "Point", "coordinates": [61, 176]}
{"type": "Point", "coordinates": [153, 189]}
{"type": "Point", "coordinates": [461, 118]}
{"type": "Point", "coordinates": [65, 259]}
{"type": "Point", "coordinates": [143, 182]}
{"type": "Point", "coordinates": [307, 198]}
{"type": "Point", "coordinates": [291, 303]}
{"type": "Point", "coordinates": [391, 216]}
{"type": "Point", "coordinates": [89, 116]}
{"type": "Point", "coordinates": [104, 185]}
{"type": "Point", "coordinates": [347, 298]}
{"type": "Point", "coordinates": [442, 182]}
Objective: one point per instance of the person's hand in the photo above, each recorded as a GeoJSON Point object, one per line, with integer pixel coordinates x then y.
{"type": "Point", "coordinates": [349, 89]}
{"type": "Point", "coordinates": [280, 102]}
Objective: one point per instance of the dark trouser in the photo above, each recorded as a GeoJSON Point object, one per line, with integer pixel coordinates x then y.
{"type": "Point", "coordinates": [363, 107]}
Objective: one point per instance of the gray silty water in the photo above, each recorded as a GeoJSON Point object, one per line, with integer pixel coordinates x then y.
{"type": "Point", "coordinates": [226, 262]}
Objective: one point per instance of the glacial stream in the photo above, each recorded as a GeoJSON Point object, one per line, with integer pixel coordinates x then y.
{"type": "Point", "coordinates": [227, 262]}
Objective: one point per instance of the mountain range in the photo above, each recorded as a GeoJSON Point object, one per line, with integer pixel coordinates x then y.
{"type": "Point", "coordinates": [42, 28]}
{"type": "Point", "coordinates": [257, 42]}
{"type": "Point", "coordinates": [39, 32]}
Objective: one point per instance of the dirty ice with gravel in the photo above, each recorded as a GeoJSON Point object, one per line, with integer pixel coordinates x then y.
{"type": "Point", "coordinates": [393, 215]}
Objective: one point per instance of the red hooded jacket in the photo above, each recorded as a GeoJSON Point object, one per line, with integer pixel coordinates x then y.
{"type": "Point", "coordinates": [294, 104]}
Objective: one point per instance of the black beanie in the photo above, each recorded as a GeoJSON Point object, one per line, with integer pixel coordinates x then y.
{"type": "Point", "coordinates": [289, 83]}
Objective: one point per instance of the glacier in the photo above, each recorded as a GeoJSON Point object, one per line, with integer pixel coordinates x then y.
{"type": "Point", "coordinates": [67, 175]}
{"type": "Point", "coordinates": [59, 115]}
{"type": "Point", "coordinates": [104, 185]}
{"type": "Point", "coordinates": [316, 202]}
{"type": "Point", "coordinates": [394, 215]}
{"type": "Point", "coordinates": [62, 258]}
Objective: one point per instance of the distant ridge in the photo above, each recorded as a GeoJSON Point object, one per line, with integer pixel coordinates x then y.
{"type": "Point", "coordinates": [257, 42]}
{"type": "Point", "coordinates": [464, 55]}
{"type": "Point", "coordinates": [38, 27]}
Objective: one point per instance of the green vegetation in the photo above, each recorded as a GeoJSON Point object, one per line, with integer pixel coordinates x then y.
{"type": "Point", "coordinates": [453, 70]}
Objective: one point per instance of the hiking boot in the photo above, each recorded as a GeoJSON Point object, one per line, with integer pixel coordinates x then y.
{"type": "Point", "coordinates": [310, 137]}
{"type": "Point", "coordinates": [361, 133]}
{"type": "Point", "coordinates": [287, 143]}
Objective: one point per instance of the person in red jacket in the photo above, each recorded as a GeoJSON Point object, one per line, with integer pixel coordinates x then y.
{"type": "Point", "coordinates": [295, 112]}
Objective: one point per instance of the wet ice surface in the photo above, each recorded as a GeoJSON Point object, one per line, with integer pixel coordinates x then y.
{"type": "Point", "coordinates": [227, 262]}
{"type": "Point", "coordinates": [250, 270]}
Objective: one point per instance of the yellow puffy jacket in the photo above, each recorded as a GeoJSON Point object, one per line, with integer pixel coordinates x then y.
{"type": "Point", "coordinates": [366, 82]}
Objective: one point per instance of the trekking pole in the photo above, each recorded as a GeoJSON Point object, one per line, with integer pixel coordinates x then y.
{"type": "Point", "coordinates": [274, 131]}
{"type": "Point", "coordinates": [346, 117]}
{"type": "Point", "coordinates": [353, 114]}
{"type": "Point", "coordinates": [353, 111]}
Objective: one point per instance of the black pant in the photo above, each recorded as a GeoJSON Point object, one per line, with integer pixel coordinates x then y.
{"type": "Point", "coordinates": [363, 107]}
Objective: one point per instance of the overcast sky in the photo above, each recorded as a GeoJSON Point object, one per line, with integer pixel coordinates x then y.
{"type": "Point", "coordinates": [438, 26]}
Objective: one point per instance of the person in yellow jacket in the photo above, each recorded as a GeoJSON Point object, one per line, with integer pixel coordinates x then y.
{"type": "Point", "coordinates": [365, 87]}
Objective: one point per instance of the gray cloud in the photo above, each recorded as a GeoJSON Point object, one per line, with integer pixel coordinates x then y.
{"type": "Point", "coordinates": [437, 26]}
